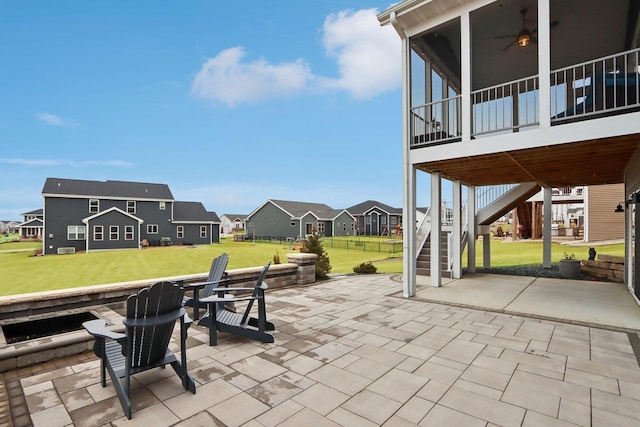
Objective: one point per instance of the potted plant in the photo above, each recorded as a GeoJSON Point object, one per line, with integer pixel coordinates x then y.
{"type": "Point", "coordinates": [570, 266]}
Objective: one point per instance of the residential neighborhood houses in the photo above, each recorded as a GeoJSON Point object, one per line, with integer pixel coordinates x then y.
{"type": "Point", "coordinates": [82, 215]}
{"type": "Point", "coordinates": [99, 215]}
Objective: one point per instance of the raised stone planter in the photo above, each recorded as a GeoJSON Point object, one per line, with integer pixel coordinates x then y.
{"type": "Point", "coordinates": [606, 266]}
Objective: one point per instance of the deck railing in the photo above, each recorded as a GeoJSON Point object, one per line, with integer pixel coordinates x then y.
{"type": "Point", "coordinates": [607, 84]}
{"type": "Point", "coordinates": [504, 107]}
{"type": "Point", "coordinates": [436, 122]}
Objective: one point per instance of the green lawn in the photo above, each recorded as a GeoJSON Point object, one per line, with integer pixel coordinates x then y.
{"type": "Point", "coordinates": [22, 273]}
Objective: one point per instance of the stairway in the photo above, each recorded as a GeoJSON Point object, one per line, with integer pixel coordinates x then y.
{"type": "Point", "coordinates": [423, 265]}
{"type": "Point", "coordinates": [491, 209]}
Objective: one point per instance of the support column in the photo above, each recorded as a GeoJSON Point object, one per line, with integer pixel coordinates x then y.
{"type": "Point", "coordinates": [544, 63]}
{"type": "Point", "coordinates": [471, 229]}
{"type": "Point", "coordinates": [465, 83]}
{"type": "Point", "coordinates": [514, 224]}
{"type": "Point", "coordinates": [486, 250]}
{"type": "Point", "coordinates": [546, 228]}
{"type": "Point", "coordinates": [456, 238]}
{"type": "Point", "coordinates": [408, 176]}
{"type": "Point", "coordinates": [436, 229]}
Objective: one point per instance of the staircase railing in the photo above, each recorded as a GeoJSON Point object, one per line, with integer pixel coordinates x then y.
{"type": "Point", "coordinates": [422, 233]}
{"type": "Point", "coordinates": [485, 195]}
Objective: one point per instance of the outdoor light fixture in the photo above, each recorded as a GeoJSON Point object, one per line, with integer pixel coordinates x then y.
{"type": "Point", "coordinates": [633, 200]}
{"type": "Point", "coordinates": [524, 38]}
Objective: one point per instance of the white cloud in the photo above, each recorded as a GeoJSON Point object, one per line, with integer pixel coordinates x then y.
{"type": "Point", "coordinates": [62, 162]}
{"type": "Point", "coordinates": [367, 54]}
{"type": "Point", "coordinates": [227, 79]}
{"type": "Point", "coordinates": [367, 57]}
{"type": "Point", "coordinates": [53, 120]}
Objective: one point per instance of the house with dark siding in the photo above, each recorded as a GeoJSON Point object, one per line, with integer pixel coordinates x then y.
{"type": "Point", "coordinates": [82, 215]}
{"type": "Point", "coordinates": [374, 218]}
{"type": "Point", "coordinates": [292, 220]}
{"type": "Point", "coordinates": [32, 224]}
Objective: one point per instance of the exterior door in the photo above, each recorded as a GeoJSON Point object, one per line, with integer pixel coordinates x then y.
{"type": "Point", "coordinates": [308, 228]}
{"type": "Point", "coordinates": [375, 221]}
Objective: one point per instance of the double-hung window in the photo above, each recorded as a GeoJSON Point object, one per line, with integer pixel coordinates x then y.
{"type": "Point", "coordinates": [128, 232]}
{"type": "Point", "coordinates": [94, 205]}
{"type": "Point", "coordinates": [203, 231]}
{"type": "Point", "coordinates": [180, 232]}
{"type": "Point", "coordinates": [98, 233]}
{"type": "Point", "coordinates": [75, 232]}
{"type": "Point", "coordinates": [114, 232]}
{"type": "Point", "coordinates": [131, 206]}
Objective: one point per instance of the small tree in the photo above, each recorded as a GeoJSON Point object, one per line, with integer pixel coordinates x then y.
{"type": "Point", "coordinates": [313, 245]}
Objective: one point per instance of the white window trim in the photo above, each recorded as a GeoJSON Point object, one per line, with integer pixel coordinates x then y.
{"type": "Point", "coordinates": [96, 232]}
{"type": "Point", "coordinates": [76, 232]}
{"type": "Point", "coordinates": [127, 233]}
{"type": "Point", "coordinates": [132, 211]}
{"type": "Point", "coordinates": [150, 231]}
{"type": "Point", "coordinates": [180, 232]}
{"type": "Point", "coordinates": [117, 232]}
{"type": "Point", "coordinates": [203, 231]}
{"type": "Point", "coordinates": [162, 206]}
{"type": "Point", "coordinates": [94, 204]}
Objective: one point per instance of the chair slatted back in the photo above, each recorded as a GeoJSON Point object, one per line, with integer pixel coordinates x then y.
{"type": "Point", "coordinates": [150, 343]}
{"type": "Point", "coordinates": [218, 267]}
{"type": "Point", "coordinates": [256, 291]}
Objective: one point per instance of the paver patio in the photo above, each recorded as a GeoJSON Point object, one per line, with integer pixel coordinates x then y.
{"type": "Point", "coordinates": [351, 352]}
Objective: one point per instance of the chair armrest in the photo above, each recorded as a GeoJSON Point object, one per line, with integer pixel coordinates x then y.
{"type": "Point", "coordinates": [212, 299]}
{"type": "Point", "coordinates": [98, 328]}
{"type": "Point", "coordinates": [203, 284]}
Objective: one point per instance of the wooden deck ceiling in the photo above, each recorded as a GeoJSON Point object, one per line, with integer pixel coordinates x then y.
{"type": "Point", "coordinates": [591, 162]}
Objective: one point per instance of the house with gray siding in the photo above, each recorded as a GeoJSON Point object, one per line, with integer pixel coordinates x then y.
{"type": "Point", "coordinates": [84, 215]}
{"type": "Point", "coordinates": [293, 220]}
{"type": "Point", "coordinates": [374, 218]}
{"type": "Point", "coordinates": [32, 224]}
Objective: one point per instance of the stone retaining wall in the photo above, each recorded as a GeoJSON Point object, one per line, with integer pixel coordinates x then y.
{"type": "Point", "coordinates": [607, 266]}
{"type": "Point", "coordinates": [300, 270]}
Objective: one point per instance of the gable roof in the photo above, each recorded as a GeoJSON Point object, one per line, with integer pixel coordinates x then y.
{"type": "Point", "coordinates": [236, 216]}
{"type": "Point", "coordinates": [363, 207]}
{"type": "Point", "coordinates": [59, 187]}
{"type": "Point", "coordinates": [34, 212]}
{"type": "Point", "coordinates": [113, 209]}
{"type": "Point", "coordinates": [32, 222]}
{"type": "Point", "coordinates": [300, 209]}
{"type": "Point", "coordinates": [192, 212]}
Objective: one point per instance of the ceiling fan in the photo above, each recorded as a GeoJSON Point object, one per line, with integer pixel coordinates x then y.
{"type": "Point", "coordinates": [526, 34]}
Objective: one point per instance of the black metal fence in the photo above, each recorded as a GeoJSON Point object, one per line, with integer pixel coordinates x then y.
{"type": "Point", "coordinates": [385, 246]}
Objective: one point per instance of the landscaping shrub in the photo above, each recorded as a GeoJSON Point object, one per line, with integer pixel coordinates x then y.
{"type": "Point", "coordinates": [365, 268]}
{"type": "Point", "coordinates": [313, 245]}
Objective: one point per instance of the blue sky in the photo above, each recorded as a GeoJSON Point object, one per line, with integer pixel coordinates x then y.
{"type": "Point", "coordinates": [228, 105]}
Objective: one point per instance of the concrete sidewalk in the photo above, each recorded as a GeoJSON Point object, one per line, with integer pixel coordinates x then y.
{"type": "Point", "coordinates": [349, 352]}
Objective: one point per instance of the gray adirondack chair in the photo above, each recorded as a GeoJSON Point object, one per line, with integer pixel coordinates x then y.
{"type": "Point", "coordinates": [217, 278]}
{"type": "Point", "coordinates": [151, 316]}
{"type": "Point", "coordinates": [240, 324]}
